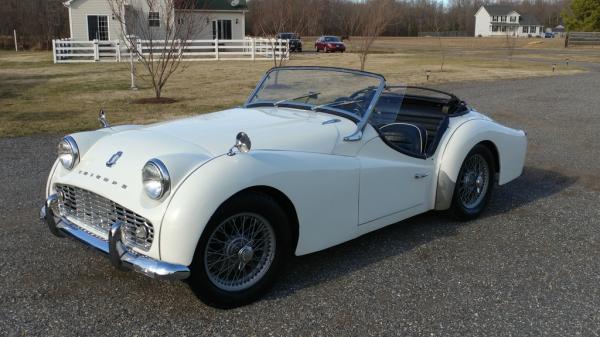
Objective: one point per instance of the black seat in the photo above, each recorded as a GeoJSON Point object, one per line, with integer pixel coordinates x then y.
{"type": "Point", "coordinates": [405, 137]}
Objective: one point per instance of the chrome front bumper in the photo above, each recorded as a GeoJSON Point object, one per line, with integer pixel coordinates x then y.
{"type": "Point", "coordinates": [119, 255]}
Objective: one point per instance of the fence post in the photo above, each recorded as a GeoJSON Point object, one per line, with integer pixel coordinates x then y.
{"type": "Point", "coordinates": [253, 49]}
{"type": "Point", "coordinates": [118, 50]}
{"type": "Point", "coordinates": [16, 44]}
{"type": "Point", "coordinates": [96, 51]}
{"type": "Point", "coordinates": [54, 58]}
{"type": "Point", "coordinates": [180, 46]}
{"type": "Point", "coordinates": [217, 48]}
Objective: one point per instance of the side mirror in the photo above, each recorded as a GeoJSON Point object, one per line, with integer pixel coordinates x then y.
{"type": "Point", "coordinates": [242, 144]}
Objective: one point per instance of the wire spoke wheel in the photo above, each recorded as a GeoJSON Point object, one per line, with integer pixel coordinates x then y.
{"type": "Point", "coordinates": [239, 251]}
{"type": "Point", "coordinates": [474, 181]}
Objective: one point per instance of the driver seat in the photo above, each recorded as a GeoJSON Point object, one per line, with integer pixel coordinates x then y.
{"type": "Point", "coordinates": [405, 137]}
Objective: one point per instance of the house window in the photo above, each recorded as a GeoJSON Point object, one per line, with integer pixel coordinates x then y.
{"type": "Point", "coordinates": [494, 18]}
{"type": "Point", "coordinates": [532, 29]}
{"type": "Point", "coordinates": [503, 28]}
{"type": "Point", "coordinates": [513, 19]}
{"type": "Point", "coordinates": [97, 27]}
{"type": "Point", "coordinates": [494, 28]}
{"type": "Point", "coordinates": [221, 29]}
{"type": "Point", "coordinates": [153, 19]}
{"type": "Point", "coordinates": [503, 18]}
{"type": "Point", "coordinates": [525, 29]}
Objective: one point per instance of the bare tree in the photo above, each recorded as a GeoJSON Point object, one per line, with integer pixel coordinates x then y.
{"type": "Point", "coordinates": [157, 32]}
{"type": "Point", "coordinates": [278, 16]}
{"type": "Point", "coordinates": [376, 15]}
{"type": "Point", "coordinates": [437, 25]}
{"type": "Point", "coordinates": [510, 44]}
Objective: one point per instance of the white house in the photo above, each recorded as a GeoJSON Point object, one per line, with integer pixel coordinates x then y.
{"type": "Point", "coordinates": [94, 20]}
{"type": "Point", "coordinates": [502, 20]}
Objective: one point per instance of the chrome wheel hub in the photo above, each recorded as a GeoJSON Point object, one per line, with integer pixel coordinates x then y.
{"type": "Point", "coordinates": [474, 181]}
{"type": "Point", "coordinates": [239, 252]}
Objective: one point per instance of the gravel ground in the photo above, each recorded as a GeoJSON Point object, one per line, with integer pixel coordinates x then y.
{"type": "Point", "coordinates": [529, 266]}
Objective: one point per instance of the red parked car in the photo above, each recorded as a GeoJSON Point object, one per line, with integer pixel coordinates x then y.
{"type": "Point", "coordinates": [330, 44]}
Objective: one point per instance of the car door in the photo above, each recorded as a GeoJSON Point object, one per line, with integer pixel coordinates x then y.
{"type": "Point", "coordinates": [394, 184]}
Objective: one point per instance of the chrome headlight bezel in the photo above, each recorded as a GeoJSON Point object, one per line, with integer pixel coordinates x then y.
{"type": "Point", "coordinates": [67, 148]}
{"type": "Point", "coordinates": [156, 179]}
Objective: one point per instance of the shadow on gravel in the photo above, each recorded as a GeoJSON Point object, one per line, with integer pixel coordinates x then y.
{"type": "Point", "coordinates": [312, 269]}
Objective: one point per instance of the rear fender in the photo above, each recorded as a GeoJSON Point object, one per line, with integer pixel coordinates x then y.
{"type": "Point", "coordinates": [510, 144]}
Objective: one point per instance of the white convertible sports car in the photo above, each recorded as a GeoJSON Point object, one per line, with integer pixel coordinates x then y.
{"type": "Point", "coordinates": [316, 157]}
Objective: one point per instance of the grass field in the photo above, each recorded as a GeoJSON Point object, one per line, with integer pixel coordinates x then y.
{"type": "Point", "coordinates": [37, 96]}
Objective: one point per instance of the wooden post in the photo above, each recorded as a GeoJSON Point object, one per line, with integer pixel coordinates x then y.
{"type": "Point", "coordinates": [217, 48]}
{"type": "Point", "coordinates": [96, 51]}
{"type": "Point", "coordinates": [54, 51]}
{"type": "Point", "coordinates": [15, 35]}
{"type": "Point", "coordinates": [118, 51]}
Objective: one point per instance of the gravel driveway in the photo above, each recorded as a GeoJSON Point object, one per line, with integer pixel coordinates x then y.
{"type": "Point", "coordinates": [529, 266]}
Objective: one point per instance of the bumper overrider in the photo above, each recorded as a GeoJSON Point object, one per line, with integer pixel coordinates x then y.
{"type": "Point", "coordinates": [120, 256]}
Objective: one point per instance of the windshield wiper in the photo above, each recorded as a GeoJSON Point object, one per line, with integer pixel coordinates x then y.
{"type": "Point", "coordinates": [313, 95]}
{"type": "Point", "coordinates": [332, 104]}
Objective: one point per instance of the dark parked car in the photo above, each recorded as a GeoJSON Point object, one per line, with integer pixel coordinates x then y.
{"type": "Point", "coordinates": [330, 44]}
{"type": "Point", "coordinates": [295, 41]}
{"type": "Point", "coordinates": [549, 35]}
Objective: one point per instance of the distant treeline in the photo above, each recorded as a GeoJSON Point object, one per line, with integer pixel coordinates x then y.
{"type": "Point", "coordinates": [315, 17]}
{"type": "Point", "coordinates": [39, 21]}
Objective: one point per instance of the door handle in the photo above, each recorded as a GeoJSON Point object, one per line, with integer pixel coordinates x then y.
{"type": "Point", "coordinates": [421, 175]}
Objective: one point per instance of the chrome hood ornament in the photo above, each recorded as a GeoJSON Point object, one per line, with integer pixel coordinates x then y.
{"type": "Point", "coordinates": [103, 120]}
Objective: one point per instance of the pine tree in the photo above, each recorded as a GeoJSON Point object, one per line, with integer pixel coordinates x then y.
{"type": "Point", "coordinates": [583, 16]}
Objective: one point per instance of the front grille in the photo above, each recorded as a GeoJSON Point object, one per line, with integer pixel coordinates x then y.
{"type": "Point", "coordinates": [100, 213]}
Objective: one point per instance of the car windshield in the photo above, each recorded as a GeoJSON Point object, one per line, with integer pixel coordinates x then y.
{"type": "Point", "coordinates": [287, 36]}
{"type": "Point", "coordinates": [344, 91]}
{"type": "Point", "coordinates": [331, 39]}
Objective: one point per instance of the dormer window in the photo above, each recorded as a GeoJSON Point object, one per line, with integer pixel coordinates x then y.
{"type": "Point", "coordinates": [513, 19]}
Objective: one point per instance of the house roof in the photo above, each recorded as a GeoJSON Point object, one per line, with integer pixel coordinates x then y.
{"type": "Point", "coordinates": [498, 10]}
{"type": "Point", "coordinates": [221, 5]}
{"type": "Point", "coordinates": [528, 20]}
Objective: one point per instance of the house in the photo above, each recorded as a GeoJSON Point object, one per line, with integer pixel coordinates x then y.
{"type": "Point", "coordinates": [502, 20]}
{"type": "Point", "coordinates": [94, 20]}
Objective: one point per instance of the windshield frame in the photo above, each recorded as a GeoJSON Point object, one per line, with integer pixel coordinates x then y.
{"type": "Point", "coordinates": [361, 122]}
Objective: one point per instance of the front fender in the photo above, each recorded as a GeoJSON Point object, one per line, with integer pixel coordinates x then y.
{"type": "Point", "coordinates": [510, 144]}
{"type": "Point", "coordinates": [323, 189]}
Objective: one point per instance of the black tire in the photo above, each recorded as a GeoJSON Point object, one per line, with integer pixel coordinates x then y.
{"type": "Point", "coordinates": [461, 209]}
{"type": "Point", "coordinates": [210, 292]}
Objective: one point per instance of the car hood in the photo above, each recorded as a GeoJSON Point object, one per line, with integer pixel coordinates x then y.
{"type": "Point", "coordinates": [185, 144]}
{"type": "Point", "coordinates": [268, 129]}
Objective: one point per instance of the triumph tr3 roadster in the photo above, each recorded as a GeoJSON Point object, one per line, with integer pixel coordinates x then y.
{"type": "Point", "coordinates": [315, 157]}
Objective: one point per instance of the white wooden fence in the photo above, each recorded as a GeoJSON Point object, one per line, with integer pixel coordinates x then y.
{"type": "Point", "coordinates": [69, 51]}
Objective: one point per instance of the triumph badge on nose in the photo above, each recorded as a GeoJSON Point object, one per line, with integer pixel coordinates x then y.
{"type": "Point", "coordinates": [113, 159]}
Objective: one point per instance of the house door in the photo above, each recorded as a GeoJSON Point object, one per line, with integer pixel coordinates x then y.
{"type": "Point", "coordinates": [97, 27]}
{"type": "Point", "coordinates": [221, 29]}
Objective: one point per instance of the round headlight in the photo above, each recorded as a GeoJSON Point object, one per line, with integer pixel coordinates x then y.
{"type": "Point", "coordinates": [68, 153]}
{"type": "Point", "coordinates": [155, 178]}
